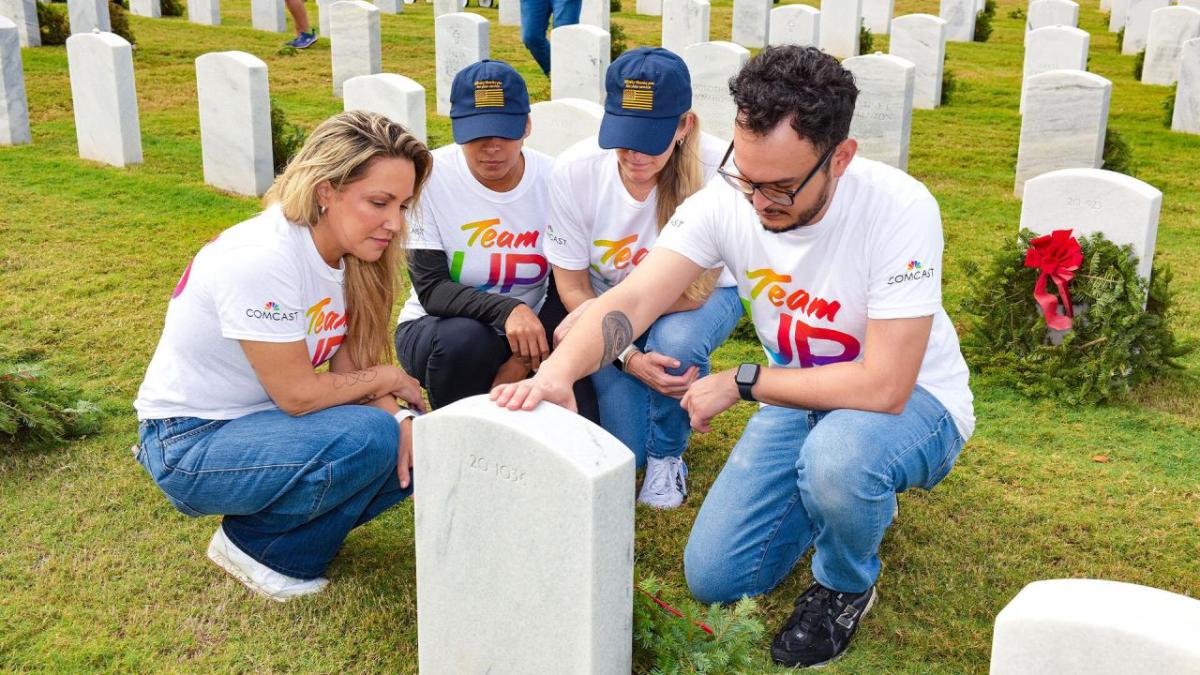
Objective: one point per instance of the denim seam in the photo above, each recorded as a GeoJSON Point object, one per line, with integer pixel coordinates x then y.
{"type": "Point", "coordinates": [235, 470]}
{"type": "Point", "coordinates": [795, 499]}
{"type": "Point", "coordinates": [932, 433]}
{"type": "Point", "coordinates": [203, 428]}
{"type": "Point", "coordinates": [321, 497]}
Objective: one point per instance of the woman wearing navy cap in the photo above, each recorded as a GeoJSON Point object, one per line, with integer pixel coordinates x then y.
{"type": "Point", "coordinates": [478, 313]}
{"type": "Point", "coordinates": [608, 204]}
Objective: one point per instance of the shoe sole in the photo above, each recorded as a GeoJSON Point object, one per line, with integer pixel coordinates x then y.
{"type": "Point", "coordinates": [822, 664]}
{"type": "Point", "coordinates": [222, 561]}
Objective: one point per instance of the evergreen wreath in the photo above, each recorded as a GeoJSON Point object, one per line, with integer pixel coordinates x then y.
{"type": "Point", "coordinates": [1113, 345]}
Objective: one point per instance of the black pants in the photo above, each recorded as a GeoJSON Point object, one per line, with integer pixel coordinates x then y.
{"type": "Point", "coordinates": [456, 357]}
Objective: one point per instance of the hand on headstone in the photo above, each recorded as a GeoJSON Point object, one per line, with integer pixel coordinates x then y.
{"type": "Point", "coordinates": [527, 394]}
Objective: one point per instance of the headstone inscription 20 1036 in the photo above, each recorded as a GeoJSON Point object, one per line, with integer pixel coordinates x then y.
{"type": "Point", "coordinates": [877, 15]}
{"type": "Point", "coordinates": [235, 122]}
{"type": "Point", "coordinates": [751, 22]}
{"type": "Point", "coordinates": [105, 101]}
{"type": "Point", "coordinates": [1170, 27]}
{"type": "Point", "coordinates": [882, 122]}
{"type": "Point", "coordinates": [795, 25]}
{"type": "Point", "coordinates": [88, 15]}
{"type": "Point", "coordinates": [396, 97]}
{"type": "Point", "coordinates": [960, 19]}
{"type": "Point", "coordinates": [684, 23]}
{"type": "Point", "coordinates": [1124, 209]}
{"type": "Point", "coordinates": [561, 123]}
{"type": "Point", "coordinates": [1066, 626]}
{"type": "Point", "coordinates": [1054, 48]}
{"type": "Point", "coordinates": [1044, 13]}
{"type": "Point", "coordinates": [1187, 96]}
{"type": "Point", "coordinates": [524, 542]}
{"type": "Point", "coordinates": [1137, 27]}
{"type": "Point", "coordinates": [580, 54]}
{"type": "Point", "coordinates": [354, 42]}
{"type": "Point", "coordinates": [1066, 116]}
{"type": "Point", "coordinates": [841, 23]}
{"type": "Point", "coordinates": [23, 13]}
{"type": "Point", "coordinates": [711, 65]}
{"type": "Point", "coordinates": [14, 111]}
{"type": "Point", "coordinates": [460, 39]}
{"type": "Point", "coordinates": [921, 39]}
{"type": "Point", "coordinates": [268, 15]}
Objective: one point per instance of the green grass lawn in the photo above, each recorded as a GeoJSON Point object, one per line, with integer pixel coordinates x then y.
{"type": "Point", "coordinates": [97, 571]}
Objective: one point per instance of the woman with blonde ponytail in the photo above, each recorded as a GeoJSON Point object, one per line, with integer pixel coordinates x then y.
{"type": "Point", "coordinates": [607, 207]}
{"type": "Point", "coordinates": [235, 417]}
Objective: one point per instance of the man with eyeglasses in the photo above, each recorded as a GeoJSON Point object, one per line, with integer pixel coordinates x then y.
{"type": "Point", "coordinates": [838, 260]}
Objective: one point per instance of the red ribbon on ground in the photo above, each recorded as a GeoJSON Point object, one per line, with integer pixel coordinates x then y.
{"type": "Point", "coordinates": [1057, 255]}
{"type": "Point", "coordinates": [674, 611]}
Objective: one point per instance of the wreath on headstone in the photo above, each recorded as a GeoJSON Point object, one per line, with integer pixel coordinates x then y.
{"type": "Point", "coordinates": [1067, 318]}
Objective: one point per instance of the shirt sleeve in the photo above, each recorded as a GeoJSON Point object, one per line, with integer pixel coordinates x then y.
{"type": "Point", "coordinates": [906, 264]}
{"type": "Point", "coordinates": [257, 296]}
{"type": "Point", "coordinates": [567, 232]}
{"type": "Point", "coordinates": [692, 230]}
{"type": "Point", "coordinates": [423, 230]}
{"type": "Point", "coordinates": [441, 296]}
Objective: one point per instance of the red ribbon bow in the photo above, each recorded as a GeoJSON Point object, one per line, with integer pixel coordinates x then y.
{"type": "Point", "coordinates": [1057, 255]}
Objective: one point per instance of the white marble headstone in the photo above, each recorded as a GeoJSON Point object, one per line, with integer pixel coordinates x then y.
{"type": "Point", "coordinates": [524, 542]}
{"type": "Point", "coordinates": [921, 39]}
{"type": "Point", "coordinates": [354, 42]}
{"type": "Point", "coordinates": [104, 98]}
{"type": "Point", "coordinates": [268, 15]}
{"type": "Point", "coordinates": [711, 65]}
{"type": "Point", "coordinates": [1054, 48]}
{"type": "Point", "coordinates": [390, 6]}
{"type": "Point", "coordinates": [877, 15]}
{"type": "Point", "coordinates": [795, 25]}
{"type": "Point", "coordinates": [1068, 626]}
{"type": "Point", "coordinates": [324, 7]}
{"type": "Point", "coordinates": [596, 13]}
{"type": "Point", "coordinates": [649, 7]}
{"type": "Point", "coordinates": [751, 22]}
{"type": "Point", "coordinates": [684, 23]}
{"type": "Point", "coordinates": [1194, 4]}
{"type": "Point", "coordinates": [580, 54]}
{"type": "Point", "coordinates": [959, 16]}
{"type": "Point", "coordinates": [396, 97]}
{"type": "Point", "coordinates": [460, 39]}
{"type": "Point", "coordinates": [88, 15]}
{"type": "Point", "coordinates": [1066, 117]}
{"type": "Point", "coordinates": [1087, 201]}
{"type": "Point", "coordinates": [14, 109]}
{"type": "Point", "coordinates": [441, 7]}
{"type": "Point", "coordinates": [204, 12]}
{"type": "Point", "coordinates": [1118, 15]}
{"type": "Point", "coordinates": [841, 21]}
{"type": "Point", "coordinates": [235, 122]}
{"type": "Point", "coordinates": [882, 122]}
{"type": "Point", "coordinates": [1170, 27]}
{"type": "Point", "coordinates": [23, 14]}
{"type": "Point", "coordinates": [559, 124]}
{"type": "Point", "coordinates": [510, 12]}
{"type": "Point", "coordinates": [147, 8]}
{"type": "Point", "coordinates": [1044, 13]}
{"type": "Point", "coordinates": [1137, 27]}
{"type": "Point", "coordinates": [1187, 96]}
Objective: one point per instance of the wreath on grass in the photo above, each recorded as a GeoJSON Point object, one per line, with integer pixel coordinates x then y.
{"type": "Point", "coordinates": [1061, 317]}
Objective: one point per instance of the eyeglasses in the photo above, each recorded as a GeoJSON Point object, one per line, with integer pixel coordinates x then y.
{"type": "Point", "coordinates": [773, 194]}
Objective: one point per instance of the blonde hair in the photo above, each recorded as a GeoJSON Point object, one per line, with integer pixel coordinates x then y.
{"type": "Point", "coordinates": [341, 151]}
{"type": "Point", "coordinates": [682, 177]}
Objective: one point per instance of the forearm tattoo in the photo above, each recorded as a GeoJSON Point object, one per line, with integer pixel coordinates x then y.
{"type": "Point", "coordinates": [618, 334]}
{"type": "Point", "coordinates": [343, 380]}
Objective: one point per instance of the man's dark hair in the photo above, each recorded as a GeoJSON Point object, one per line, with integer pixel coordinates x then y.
{"type": "Point", "coordinates": [801, 84]}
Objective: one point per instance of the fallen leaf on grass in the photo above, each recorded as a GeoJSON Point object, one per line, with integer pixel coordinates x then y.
{"type": "Point", "coordinates": [1103, 459]}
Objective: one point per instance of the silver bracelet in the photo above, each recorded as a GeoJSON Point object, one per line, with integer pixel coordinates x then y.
{"type": "Point", "coordinates": [404, 414]}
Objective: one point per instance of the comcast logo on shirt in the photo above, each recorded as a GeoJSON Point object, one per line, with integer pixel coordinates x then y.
{"type": "Point", "coordinates": [270, 312]}
{"type": "Point", "coordinates": [914, 271]}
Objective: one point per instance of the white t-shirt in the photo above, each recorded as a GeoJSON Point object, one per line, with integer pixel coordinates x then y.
{"type": "Point", "coordinates": [260, 280]}
{"type": "Point", "coordinates": [877, 254]}
{"type": "Point", "coordinates": [595, 224]}
{"type": "Point", "coordinates": [492, 240]}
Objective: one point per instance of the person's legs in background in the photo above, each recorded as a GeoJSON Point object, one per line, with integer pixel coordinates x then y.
{"type": "Point", "coordinates": [305, 36]}
{"type": "Point", "coordinates": [535, 19]}
{"type": "Point", "coordinates": [452, 357]}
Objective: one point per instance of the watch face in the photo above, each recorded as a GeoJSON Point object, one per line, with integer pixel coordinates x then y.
{"type": "Point", "coordinates": [745, 373]}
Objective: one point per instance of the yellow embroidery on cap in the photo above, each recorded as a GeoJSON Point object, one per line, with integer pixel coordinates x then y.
{"type": "Point", "coordinates": [489, 94]}
{"type": "Point", "coordinates": [638, 95]}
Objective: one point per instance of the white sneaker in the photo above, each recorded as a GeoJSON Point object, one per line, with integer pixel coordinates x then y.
{"type": "Point", "coordinates": [665, 485]}
{"type": "Point", "coordinates": [257, 576]}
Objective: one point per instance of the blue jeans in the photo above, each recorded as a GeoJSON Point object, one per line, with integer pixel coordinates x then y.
{"type": "Point", "coordinates": [535, 19]}
{"type": "Point", "coordinates": [646, 421]}
{"type": "Point", "coordinates": [290, 488]}
{"type": "Point", "coordinates": [801, 478]}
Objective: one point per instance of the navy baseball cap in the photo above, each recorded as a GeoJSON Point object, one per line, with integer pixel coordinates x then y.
{"type": "Point", "coordinates": [488, 98]}
{"type": "Point", "coordinates": [648, 89]}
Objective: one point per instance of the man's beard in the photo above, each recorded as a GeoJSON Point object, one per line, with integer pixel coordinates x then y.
{"type": "Point", "coordinates": [803, 220]}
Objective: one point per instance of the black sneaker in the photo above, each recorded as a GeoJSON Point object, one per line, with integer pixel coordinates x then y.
{"type": "Point", "coordinates": [820, 628]}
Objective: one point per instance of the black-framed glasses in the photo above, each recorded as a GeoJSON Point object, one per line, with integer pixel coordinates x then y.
{"type": "Point", "coordinates": [773, 194]}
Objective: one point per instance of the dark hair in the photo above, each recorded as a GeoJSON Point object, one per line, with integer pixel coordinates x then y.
{"type": "Point", "coordinates": [801, 84]}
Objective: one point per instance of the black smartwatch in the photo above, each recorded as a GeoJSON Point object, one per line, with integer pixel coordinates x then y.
{"type": "Point", "coordinates": [747, 375]}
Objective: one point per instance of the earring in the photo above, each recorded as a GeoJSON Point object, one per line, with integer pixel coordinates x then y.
{"type": "Point", "coordinates": [321, 210]}
{"type": "Point", "coordinates": [679, 143]}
